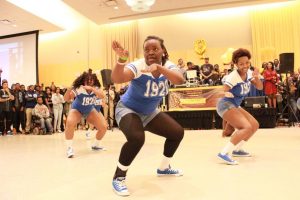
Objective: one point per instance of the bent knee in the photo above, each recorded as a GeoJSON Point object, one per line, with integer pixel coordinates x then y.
{"type": "Point", "coordinates": [136, 141]}
{"type": "Point", "coordinates": [180, 133]}
{"type": "Point", "coordinates": [255, 126]}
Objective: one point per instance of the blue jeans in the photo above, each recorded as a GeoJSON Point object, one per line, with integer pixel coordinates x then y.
{"type": "Point", "coordinates": [46, 121]}
{"type": "Point", "coordinates": [223, 106]}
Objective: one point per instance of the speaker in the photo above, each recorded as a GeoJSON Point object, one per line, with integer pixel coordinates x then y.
{"type": "Point", "coordinates": [106, 77]}
{"type": "Point", "coordinates": [286, 62]}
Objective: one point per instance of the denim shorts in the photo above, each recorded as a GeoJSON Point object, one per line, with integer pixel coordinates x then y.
{"type": "Point", "coordinates": [223, 106]}
{"type": "Point", "coordinates": [122, 110]}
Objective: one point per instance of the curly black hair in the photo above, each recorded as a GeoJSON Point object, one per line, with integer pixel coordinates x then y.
{"type": "Point", "coordinates": [84, 77]}
{"type": "Point", "coordinates": [240, 53]}
{"type": "Point", "coordinates": [165, 56]}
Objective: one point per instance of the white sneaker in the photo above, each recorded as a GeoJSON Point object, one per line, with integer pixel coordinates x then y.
{"type": "Point", "coordinates": [70, 152]}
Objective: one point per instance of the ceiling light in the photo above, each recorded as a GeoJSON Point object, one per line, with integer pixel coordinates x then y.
{"type": "Point", "coordinates": [140, 5]}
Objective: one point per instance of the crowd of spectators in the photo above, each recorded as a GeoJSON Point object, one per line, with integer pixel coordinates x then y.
{"type": "Point", "coordinates": [36, 109]}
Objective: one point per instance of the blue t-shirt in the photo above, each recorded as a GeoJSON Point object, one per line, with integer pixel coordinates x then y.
{"type": "Point", "coordinates": [84, 102]}
{"type": "Point", "coordinates": [239, 88]}
{"type": "Point", "coordinates": [145, 92]}
{"type": "Point", "coordinates": [98, 104]}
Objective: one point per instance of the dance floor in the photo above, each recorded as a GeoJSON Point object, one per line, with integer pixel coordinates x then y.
{"type": "Point", "coordinates": [35, 167]}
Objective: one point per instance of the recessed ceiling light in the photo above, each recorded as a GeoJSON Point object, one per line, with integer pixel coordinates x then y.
{"type": "Point", "coordinates": [116, 7]}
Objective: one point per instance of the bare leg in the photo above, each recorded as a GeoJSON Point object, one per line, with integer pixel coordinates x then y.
{"type": "Point", "coordinates": [73, 119]}
{"type": "Point", "coordinates": [99, 122]}
{"type": "Point", "coordinates": [237, 119]}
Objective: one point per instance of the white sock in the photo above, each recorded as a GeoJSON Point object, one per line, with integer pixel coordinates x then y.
{"type": "Point", "coordinates": [69, 143]}
{"type": "Point", "coordinates": [228, 148]}
{"type": "Point", "coordinates": [122, 167]}
{"type": "Point", "coordinates": [239, 145]}
{"type": "Point", "coordinates": [165, 163]}
{"type": "Point", "coordinates": [96, 143]}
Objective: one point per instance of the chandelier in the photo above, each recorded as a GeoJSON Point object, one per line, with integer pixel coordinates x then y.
{"type": "Point", "coordinates": [140, 5]}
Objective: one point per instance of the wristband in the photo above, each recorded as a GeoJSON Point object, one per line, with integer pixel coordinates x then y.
{"type": "Point", "coordinates": [124, 58]}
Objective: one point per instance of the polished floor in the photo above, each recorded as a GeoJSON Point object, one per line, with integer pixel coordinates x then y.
{"type": "Point", "coordinates": [35, 167]}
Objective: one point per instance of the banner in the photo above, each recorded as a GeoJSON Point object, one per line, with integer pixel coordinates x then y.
{"type": "Point", "coordinates": [199, 98]}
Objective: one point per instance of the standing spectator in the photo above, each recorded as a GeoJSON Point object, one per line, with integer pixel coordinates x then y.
{"type": "Point", "coordinates": [49, 99]}
{"type": "Point", "coordinates": [277, 66]}
{"type": "Point", "coordinates": [42, 112]}
{"type": "Point", "coordinates": [57, 100]}
{"type": "Point", "coordinates": [270, 84]}
{"type": "Point", "coordinates": [53, 88]}
{"type": "Point", "coordinates": [30, 97]}
{"type": "Point", "coordinates": [23, 89]}
{"type": "Point", "coordinates": [206, 71]}
{"type": "Point", "coordinates": [18, 106]}
{"type": "Point", "coordinates": [264, 67]}
{"type": "Point", "coordinates": [41, 93]}
{"type": "Point", "coordinates": [0, 77]}
{"type": "Point", "coordinates": [5, 108]}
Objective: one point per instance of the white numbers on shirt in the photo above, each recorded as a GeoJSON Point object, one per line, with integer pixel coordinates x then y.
{"type": "Point", "coordinates": [245, 88]}
{"type": "Point", "coordinates": [88, 101]}
{"type": "Point", "coordinates": [153, 89]}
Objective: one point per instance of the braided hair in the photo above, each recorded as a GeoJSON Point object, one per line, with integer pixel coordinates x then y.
{"type": "Point", "coordinates": [165, 55]}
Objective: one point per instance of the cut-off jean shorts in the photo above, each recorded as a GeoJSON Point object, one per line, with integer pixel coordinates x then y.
{"type": "Point", "coordinates": [223, 106]}
{"type": "Point", "coordinates": [122, 110]}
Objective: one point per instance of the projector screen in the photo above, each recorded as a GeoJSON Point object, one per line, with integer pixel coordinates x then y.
{"type": "Point", "coordinates": [19, 58]}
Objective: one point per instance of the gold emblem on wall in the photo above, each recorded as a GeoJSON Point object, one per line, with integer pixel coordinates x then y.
{"type": "Point", "coordinates": [200, 47]}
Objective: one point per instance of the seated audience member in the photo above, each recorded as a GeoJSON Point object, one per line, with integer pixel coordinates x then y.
{"type": "Point", "coordinates": [206, 71]}
{"type": "Point", "coordinates": [216, 76]}
{"type": "Point", "coordinates": [42, 111]}
{"type": "Point", "coordinates": [181, 66]}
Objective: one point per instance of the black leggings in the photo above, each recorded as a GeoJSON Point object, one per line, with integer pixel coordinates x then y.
{"type": "Point", "coordinates": [162, 124]}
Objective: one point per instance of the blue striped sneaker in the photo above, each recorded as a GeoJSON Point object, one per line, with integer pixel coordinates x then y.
{"type": "Point", "coordinates": [169, 172]}
{"type": "Point", "coordinates": [227, 159]}
{"type": "Point", "coordinates": [241, 153]}
{"type": "Point", "coordinates": [119, 186]}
